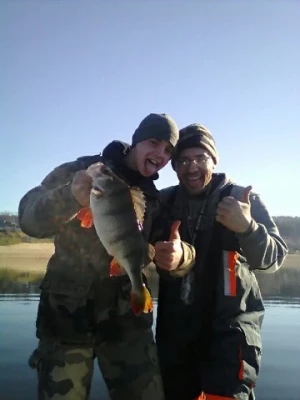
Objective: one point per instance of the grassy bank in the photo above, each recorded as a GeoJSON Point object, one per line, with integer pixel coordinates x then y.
{"type": "Point", "coordinates": [25, 264]}
{"type": "Point", "coordinates": [19, 276]}
{"type": "Point", "coordinates": [12, 238]}
{"type": "Point", "coordinates": [285, 282]}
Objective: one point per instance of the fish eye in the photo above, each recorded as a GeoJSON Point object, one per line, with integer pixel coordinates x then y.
{"type": "Point", "coordinates": [105, 170]}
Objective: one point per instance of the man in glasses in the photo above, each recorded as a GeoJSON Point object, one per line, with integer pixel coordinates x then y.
{"type": "Point", "coordinates": [210, 312]}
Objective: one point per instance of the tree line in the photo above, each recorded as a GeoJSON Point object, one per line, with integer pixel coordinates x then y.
{"type": "Point", "coordinates": [289, 228]}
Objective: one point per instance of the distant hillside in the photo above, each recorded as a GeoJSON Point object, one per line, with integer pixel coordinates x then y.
{"type": "Point", "coordinates": [289, 228]}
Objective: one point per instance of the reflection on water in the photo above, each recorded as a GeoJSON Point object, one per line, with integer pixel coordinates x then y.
{"type": "Point", "coordinates": [12, 281]}
{"type": "Point", "coordinates": [280, 371]}
{"type": "Point", "coordinates": [282, 302]}
{"type": "Point", "coordinates": [279, 378]}
{"type": "Point", "coordinates": [284, 283]}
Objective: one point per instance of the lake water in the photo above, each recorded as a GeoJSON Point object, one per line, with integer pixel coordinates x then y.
{"type": "Point", "coordinates": [280, 374]}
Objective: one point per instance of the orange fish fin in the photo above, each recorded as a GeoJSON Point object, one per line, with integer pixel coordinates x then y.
{"type": "Point", "coordinates": [114, 268]}
{"type": "Point", "coordinates": [141, 302]}
{"type": "Point", "coordinates": [139, 203]}
{"type": "Point", "coordinates": [86, 217]}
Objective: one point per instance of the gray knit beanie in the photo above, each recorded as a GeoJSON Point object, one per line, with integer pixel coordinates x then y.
{"type": "Point", "coordinates": [156, 126]}
{"type": "Point", "coordinates": [195, 135]}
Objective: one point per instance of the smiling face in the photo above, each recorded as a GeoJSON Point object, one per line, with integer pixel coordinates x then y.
{"type": "Point", "coordinates": [194, 168]}
{"type": "Point", "coordinates": [151, 155]}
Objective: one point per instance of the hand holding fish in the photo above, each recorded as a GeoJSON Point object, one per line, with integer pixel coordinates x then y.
{"type": "Point", "coordinates": [95, 170]}
{"type": "Point", "coordinates": [235, 215]}
{"type": "Point", "coordinates": [82, 183]}
{"type": "Point", "coordinates": [168, 254]}
{"type": "Point", "coordinates": [81, 187]}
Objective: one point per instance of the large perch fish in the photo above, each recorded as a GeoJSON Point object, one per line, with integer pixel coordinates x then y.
{"type": "Point", "coordinates": [118, 214]}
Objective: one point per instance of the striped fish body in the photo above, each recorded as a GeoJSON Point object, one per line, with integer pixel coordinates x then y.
{"type": "Point", "coordinates": [118, 211]}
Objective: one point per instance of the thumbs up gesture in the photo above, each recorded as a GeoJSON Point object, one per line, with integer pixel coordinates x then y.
{"type": "Point", "coordinates": [168, 254]}
{"type": "Point", "coordinates": [234, 214]}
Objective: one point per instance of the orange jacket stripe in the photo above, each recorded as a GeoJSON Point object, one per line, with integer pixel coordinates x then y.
{"type": "Point", "coordinates": [229, 263]}
{"type": "Point", "coordinates": [204, 396]}
{"type": "Point", "coordinates": [241, 371]}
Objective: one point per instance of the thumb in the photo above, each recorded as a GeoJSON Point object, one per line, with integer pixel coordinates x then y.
{"type": "Point", "coordinates": [174, 230]}
{"type": "Point", "coordinates": [246, 195]}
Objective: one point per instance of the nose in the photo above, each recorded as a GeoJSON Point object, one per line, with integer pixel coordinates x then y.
{"type": "Point", "coordinates": [160, 152]}
{"type": "Point", "coordinates": [192, 167]}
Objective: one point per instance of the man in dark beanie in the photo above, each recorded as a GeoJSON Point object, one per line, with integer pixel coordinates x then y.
{"type": "Point", "coordinates": [210, 312]}
{"type": "Point", "coordinates": [158, 126]}
{"type": "Point", "coordinates": [197, 139]}
{"type": "Point", "coordinates": [81, 314]}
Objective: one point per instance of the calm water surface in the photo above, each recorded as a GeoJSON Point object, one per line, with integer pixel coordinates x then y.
{"type": "Point", "coordinates": [279, 379]}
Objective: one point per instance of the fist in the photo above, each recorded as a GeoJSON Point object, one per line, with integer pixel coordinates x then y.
{"type": "Point", "coordinates": [81, 187]}
{"type": "Point", "coordinates": [168, 254]}
{"type": "Point", "coordinates": [235, 215]}
{"type": "Point", "coordinates": [94, 170]}
{"type": "Point", "coordinates": [82, 183]}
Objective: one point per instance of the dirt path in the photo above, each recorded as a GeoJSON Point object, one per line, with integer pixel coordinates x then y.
{"type": "Point", "coordinates": [26, 256]}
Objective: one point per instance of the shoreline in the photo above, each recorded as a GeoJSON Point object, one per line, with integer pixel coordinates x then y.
{"type": "Point", "coordinates": [33, 257]}
{"type": "Point", "coordinates": [29, 257]}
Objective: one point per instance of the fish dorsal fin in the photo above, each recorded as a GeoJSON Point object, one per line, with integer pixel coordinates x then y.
{"type": "Point", "coordinates": [139, 203]}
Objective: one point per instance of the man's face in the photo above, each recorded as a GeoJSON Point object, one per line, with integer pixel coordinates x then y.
{"type": "Point", "coordinates": [194, 168]}
{"type": "Point", "coordinates": [152, 155]}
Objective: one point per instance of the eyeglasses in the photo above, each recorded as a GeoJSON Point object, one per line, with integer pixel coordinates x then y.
{"type": "Point", "coordinates": [198, 161]}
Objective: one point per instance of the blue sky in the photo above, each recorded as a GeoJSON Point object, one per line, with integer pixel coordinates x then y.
{"type": "Point", "coordinates": [77, 74]}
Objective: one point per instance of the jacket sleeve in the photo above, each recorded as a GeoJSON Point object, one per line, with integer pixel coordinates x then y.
{"type": "Point", "coordinates": [187, 262]}
{"type": "Point", "coordinates": [262, 245]}
{"type": "Point", "coordinates": [45, 208]}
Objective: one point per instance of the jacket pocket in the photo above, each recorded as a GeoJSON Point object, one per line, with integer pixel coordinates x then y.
{"type": "Point", "coordinates": [73, 286]}
{"type": "Point", "coordinates": [250, 353]}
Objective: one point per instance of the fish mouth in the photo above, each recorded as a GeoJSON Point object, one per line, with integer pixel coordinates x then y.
{"type": "Point", "coordinates": [102, 181]}
{"type": "Point", "coordinates": [96, 191]}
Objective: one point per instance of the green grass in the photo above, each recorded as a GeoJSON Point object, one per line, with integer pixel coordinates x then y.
{"type": "Point", "coordinates": [10, 238]}
{"type": "Point", "coordinates": [20, 276]}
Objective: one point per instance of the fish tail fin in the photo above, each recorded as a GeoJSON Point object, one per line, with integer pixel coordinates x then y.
{"type": "Point", "coordinates": [141, 301]}
{"type": "Point", "coordinates": [114, 268]}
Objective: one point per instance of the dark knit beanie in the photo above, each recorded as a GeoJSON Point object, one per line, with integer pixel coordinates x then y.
{"type": "Point", "coordinates": [156, 126]}
{"type": "Point", "coordinates": [195, 135]}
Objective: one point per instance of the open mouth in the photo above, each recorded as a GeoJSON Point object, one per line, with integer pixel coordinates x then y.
{"type": "Point", "coordinates": [151, 166]}
{"type": "Point", "coordinates": [152, 161]}
{"type": "Point", "coordinates": [194, 180]}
